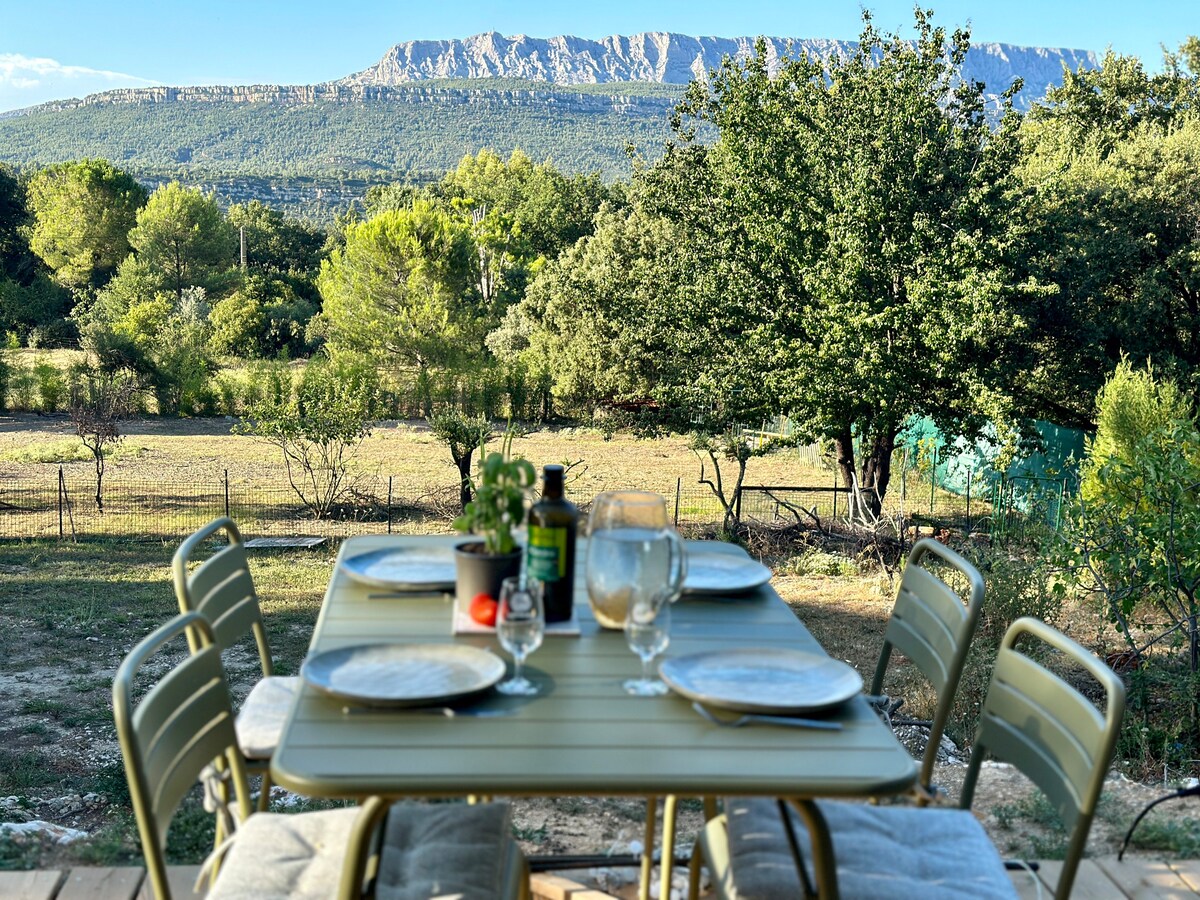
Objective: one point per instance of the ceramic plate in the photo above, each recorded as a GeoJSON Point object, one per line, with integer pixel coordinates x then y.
{"type": "Point", "coordinates": [404, 568]}
{"type": "Point", "coordinates": [403, 674]}
{"type": "Point", "coordinates": [763, 680]}
{"type": "Point", "coordinates": [716, 572]}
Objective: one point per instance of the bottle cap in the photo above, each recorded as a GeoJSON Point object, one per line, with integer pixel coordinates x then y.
{"type": "Point", "coordinates": [552, 481]}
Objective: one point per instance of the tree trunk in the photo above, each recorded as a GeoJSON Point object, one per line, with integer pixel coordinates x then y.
{"type": "Point", "coordinates": [99, 480]}
{"type": "Point", "coordinates": [877, 468]}
{"type": "Point", "coordinates": [463, 462]}
{"type": "Point", "coordinates": [843, 445]}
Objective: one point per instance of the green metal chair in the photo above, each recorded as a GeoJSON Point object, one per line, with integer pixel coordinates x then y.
{"type": "Point", "coordinates": [1032, 718]}
{"type": "Point", "coordinates": [931, 625]}
{"type": "Point", "coordinates": [183, 726]}
{"type": "Point", "coordinates": [222, 591]}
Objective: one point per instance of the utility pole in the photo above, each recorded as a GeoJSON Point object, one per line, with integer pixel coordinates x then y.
{"type": "Point", "coordinates": [242, 242]}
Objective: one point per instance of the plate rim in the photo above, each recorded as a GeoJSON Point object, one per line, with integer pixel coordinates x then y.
{"type": "Point", "coordinates": [442, 585]}
{"type": "Point", "coordinates": [757, 654]}
{"type": "Point", "coordinates": [764, 571]}
{"type": "Point", "coordinates": [488, 679]}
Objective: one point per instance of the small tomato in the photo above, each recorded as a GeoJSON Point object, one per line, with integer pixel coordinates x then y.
{"type": "Point", "coordinates": [483, 609]}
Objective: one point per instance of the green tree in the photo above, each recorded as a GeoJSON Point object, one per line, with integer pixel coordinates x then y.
{"type": "Point", "coordinates": [82, 215]}
{"type": "Point", "coordinates": [401, 289]}
{"type": "Point", "coordinates": [1112, 200]}
{"type": "Point", "coordinates": [181, 233]}
{"type": "Point", "coordinates": [850, 223]}
{"type": "Point", "coordinates": [316, 428]}
{"type": "Point", "coordinates": [263, 317]}
{"type": "Point", "coordinates": [17, 263]}
{"type": "Point", "coordinates": [277, 244]}
{"type": "Point", "coordinates": [463, 435]}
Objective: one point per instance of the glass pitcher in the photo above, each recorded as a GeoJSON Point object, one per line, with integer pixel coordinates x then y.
{"type": "Point", "coordinates": [633, 553]}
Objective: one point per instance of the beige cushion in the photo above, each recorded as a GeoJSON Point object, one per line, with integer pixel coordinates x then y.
{"type": "Point", "coordinates": [277, 856]}
{"type": "Point", "coordinates": [429, 851]}
{"type": "Point", "coordinates": [261, 719]}
{"type": "Point", "coordinates": [883, 852]}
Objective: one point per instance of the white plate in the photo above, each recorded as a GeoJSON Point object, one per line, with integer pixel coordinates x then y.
{"type": "Point", "coordinates": [760, 679]}
{"type": "Point", "coordinates": [404, 568]}
{"type": "Point", "coordinates": [403, 674]}
{"type": "Point", "coordinates": [717, 572]}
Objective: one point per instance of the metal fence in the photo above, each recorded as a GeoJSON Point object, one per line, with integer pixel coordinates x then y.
{"type": "Point", "coordinates": [64, 505]}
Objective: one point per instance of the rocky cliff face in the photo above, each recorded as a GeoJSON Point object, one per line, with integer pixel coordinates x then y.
{"type": "Point", "coordinates": [669, 58]}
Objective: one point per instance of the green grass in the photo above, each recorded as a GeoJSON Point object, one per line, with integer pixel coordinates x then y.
{"type": "Point", "coordinates": [68, 450]}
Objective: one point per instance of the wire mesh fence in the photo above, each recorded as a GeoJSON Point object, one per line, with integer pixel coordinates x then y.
{"type": "Point", "coordinates": [65, 506]}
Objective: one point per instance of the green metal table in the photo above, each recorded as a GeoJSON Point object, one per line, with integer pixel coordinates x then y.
{"type": "Point", "coordinates": [583, 735]}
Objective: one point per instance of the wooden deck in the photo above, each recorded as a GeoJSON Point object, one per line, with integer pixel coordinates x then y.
{"type": "Point", "coordinates": [128, 883]}
{"type": "Point", "coordinates": [1100, 879]}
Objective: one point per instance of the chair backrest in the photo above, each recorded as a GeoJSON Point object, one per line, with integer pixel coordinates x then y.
{"type": "Point", "coordinates": [932, 625]}
{"type": "Point", "coordinates": [182, 723]}
{"type": "Point", "coordinates": [1036, 720]}
{"type": "Point", "coordinates": [221, 590]}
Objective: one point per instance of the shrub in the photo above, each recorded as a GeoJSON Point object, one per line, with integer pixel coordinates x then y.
{"type": "Point", "coordinates": [52, 385]}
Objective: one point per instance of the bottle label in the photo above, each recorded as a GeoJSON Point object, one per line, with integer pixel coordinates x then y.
{"type": "Point", "coordinates": [547, 559]}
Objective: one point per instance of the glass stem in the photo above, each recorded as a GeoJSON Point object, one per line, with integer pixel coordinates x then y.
{"type": "Point", "coordinates": [646, 667]}
{"type": "Point", "coordinates": [518, 662]}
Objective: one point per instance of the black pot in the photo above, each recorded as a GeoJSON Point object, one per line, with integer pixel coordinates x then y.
{"type": "Point", "coordinates": [478, 572]}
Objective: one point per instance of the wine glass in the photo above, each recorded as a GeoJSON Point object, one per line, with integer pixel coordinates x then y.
{"type": "Point", "coordinates": [520, 626]}
{"type": "Point", "coordinates": [633, 554]}
{"type": "Point", "coordinates": [648, 631]}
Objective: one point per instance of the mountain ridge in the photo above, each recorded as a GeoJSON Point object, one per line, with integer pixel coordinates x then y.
{"type": "Point", "coordinates": [565, 61]}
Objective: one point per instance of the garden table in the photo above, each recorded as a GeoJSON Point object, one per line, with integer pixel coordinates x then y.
{"type": "Point", "coordinates": [583, 735]}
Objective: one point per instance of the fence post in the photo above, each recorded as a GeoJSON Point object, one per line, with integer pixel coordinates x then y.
{"type": "Point", "coordinates": [932, 479]}
{"type": "Point", "coordinates": [227, 493]}
{"type": "Point", "coordinates": [835, 489]}
{"type": "Point", "coordinates": [1062, 497]}
{"type": "Point", "coordinates": [389, 505]}
{"type": "Point", "coordinates": [678, 485]}
{"type": "Point", "coordinates": [970, 472]}
{"type": "Point", "coordinates": [61, 535]}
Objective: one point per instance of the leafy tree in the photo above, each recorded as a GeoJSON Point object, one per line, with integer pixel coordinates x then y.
{"type": "Point", "coordinates": [17, 263]}
{"type": "Point", "coordinates": [82, 215]}
{"type": "Point", "coordinates": [36, 310]}
{"type": "Point", "coordinates": [316, 428]}
{"type": "Point", "coordinates": [276, 244]}
{"type": "Point", "coordinates": [850, 225]}
{"type": "Point", "coordinates": [401, 289]}
{"type": "Point", "coordinates": [463, 435]}
{"type": "Point", "coordinates": [181, 233]}
{"type": "Point", "coordinates": [1131, 542]}
{"type": "Point", "coordinates": [1113, 198]}
{"type": "Point", "coordinates": [97, 406]}
{"type": "Point", "coordinates": [264, 317]}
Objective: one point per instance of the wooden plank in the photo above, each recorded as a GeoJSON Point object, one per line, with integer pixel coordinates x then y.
{"type": "Point", "coordinates": [1189, 871]}
{"type": "Point", "coordinates": [547, 886]}
{"type": "Point", "coordinates": [1027, 884]}
{"type": "Point", "coordinates": [1147, 879]}
{"type": "Point", "coordinates": [94, 883]}
{"type": "Point", "coordinates": [180, 880]}
{"type": "Point", "coordinates": [34, 885]}
{"type": "Point", "coordinates": [1091, 881]}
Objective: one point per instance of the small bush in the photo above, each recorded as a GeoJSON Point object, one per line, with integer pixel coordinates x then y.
{"type": "Point", "coordinates": [51, 385]}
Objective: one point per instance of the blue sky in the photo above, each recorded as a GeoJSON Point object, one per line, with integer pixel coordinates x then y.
{"type": "Point", "coordinates": [51, 49]}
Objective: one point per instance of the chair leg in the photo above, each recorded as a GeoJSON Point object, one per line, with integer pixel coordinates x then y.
{"type": "Point", "coordinates": [695, 864]}
{"type": "Point", "coordinates": [264, 791]}
{"type": "Point", "coordinates": [648, 849]}
{"type": "Point", "coordinates": [666, 860]}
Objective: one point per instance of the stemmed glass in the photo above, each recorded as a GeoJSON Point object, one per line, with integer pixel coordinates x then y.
{"type": "Point", "coordinates": [520, 626]}
{"type": "Point", "coordinates": [648, 631]}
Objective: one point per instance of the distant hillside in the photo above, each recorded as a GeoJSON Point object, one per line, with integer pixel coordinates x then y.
{"type": "Point", "coordinates": [419, 110]}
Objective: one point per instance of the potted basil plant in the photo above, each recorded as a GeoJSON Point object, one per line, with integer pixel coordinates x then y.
{"type": "Point", "coordinates": [492, 555]}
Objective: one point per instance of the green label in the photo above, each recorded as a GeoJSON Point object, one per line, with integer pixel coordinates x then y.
{"type": "Point", "coordinates": [547, 553]}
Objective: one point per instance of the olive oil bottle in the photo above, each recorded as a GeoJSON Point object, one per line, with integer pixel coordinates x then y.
{"type": "Point", "coordinates": [553, 523]}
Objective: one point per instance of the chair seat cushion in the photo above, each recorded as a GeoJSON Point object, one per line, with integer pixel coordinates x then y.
{"type": "Point", "coordinates": [429, 850]}
{"type": "Point", "coordinates": [448, 850]}
{"type": "Point", "coordinates": [260, 721]}
{"type": "Point", "coordinates": [882, 852]}
{"type": "Point", "coordinates": [277, 856]}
